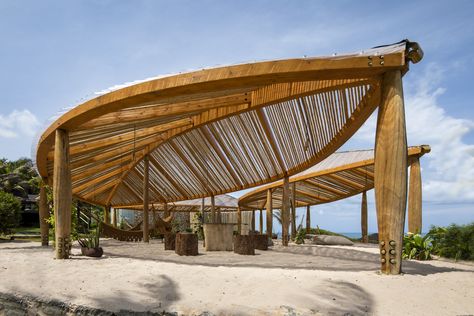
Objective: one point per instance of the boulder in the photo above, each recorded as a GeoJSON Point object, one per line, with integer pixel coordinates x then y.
{"type": "Point", "coordinates": [332, 240]}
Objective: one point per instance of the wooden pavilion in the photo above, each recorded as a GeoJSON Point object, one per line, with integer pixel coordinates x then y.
{"type": "Point", "coordinates": [219, 130]}
{"type": "Point", "coordinates": [341, 175]}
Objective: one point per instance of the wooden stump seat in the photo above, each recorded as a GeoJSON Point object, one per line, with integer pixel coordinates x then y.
{"type": "Point", "coordinates": [260, 242]}
{"type": "Point", "coordinates": [186, 244]}
{"type": "Point", "coordinates": [170, 241]}
{"type": "Point", "coordinates": [244, 245]}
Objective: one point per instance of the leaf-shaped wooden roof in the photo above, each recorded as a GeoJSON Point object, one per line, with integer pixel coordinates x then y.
{"type": "Point", "coordinates": [218, 130]}
{"type": "Point", "coordinates": [341, 175]}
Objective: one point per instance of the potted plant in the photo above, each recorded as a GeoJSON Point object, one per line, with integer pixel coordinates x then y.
{"type": "Point", "coordinates": [90, 245]}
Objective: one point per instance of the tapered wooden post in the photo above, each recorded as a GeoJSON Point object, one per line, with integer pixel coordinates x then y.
{"type": "Point", "coordinates": [308, 219]}
{"type": "Point", "coordinates": [213, 209]}
{"type": "Point", "coordinates": [414, 198]}
{"type": "Point", "coordinates": [261, 222]}
{"type": "Point", "coordinates": [219, 215]}
{"type": "Point", "coordinates": [107, 214]}
{"type": "Point", "coordinates": [391, 172]}
{"type": "Point", "coordinates": [293, 211]}
{"type": "Point", "coordinates": [146, 183]}
{"type": "Point", "coordinates": [43, 214]}
{"type": "Point", "coordinates": [62, 194]}
{"type": "Point", "coordinates": [239, 220]}
{"type": "Point", "coordinates": [114, 218]}
{"type": "Point", "coordinates": [166, 212]}
{"type": "Point", "coordinates": [285, 210]}
{"type": "Point", "coordinates": [253, 220]}
{"type": "Point", "coordinates": [363, 218]}
{"type": "Point", "coordinates": [202, 210]}
{"type": "Point", "coordinates": [269, 213]}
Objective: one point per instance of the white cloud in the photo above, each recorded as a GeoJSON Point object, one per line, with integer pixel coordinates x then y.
{"type": "Point", "coordinates": [18, 123]}
{"type": "Point", "coordinates": [448, 171]}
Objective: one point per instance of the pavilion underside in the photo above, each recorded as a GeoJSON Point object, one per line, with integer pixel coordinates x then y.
{"type": "Point", "coordinates": [219, 130]}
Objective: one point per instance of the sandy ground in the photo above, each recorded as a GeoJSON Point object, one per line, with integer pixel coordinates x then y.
{"type": "Point", "coordinates": [299, 280]}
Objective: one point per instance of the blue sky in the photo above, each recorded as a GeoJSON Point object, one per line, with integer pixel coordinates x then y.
{"type": "Point", "coordinates": [54, 54]}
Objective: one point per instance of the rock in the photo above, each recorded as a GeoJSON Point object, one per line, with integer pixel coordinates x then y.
{"type": "Point", "coordinates": [331, 240]}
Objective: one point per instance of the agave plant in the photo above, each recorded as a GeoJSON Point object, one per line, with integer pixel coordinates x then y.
{"type": "Point", "coordinates": [417, 247]}
{"type": "Point", "coordinates": [92, 241]}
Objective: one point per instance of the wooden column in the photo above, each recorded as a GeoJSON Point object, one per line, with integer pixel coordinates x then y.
{"type": "Point", "coordinates": [269, 213]}
{"type": "Point", "coordinates": [146, 184]}
{"type": "Point", "coordinates": [285, 210]}
{"type": "Point", "coordinates": [219, 215]}
{"type": "Point", "coordinates": [253, 220]}
{"type": "Point", "coordinates": [203, 205]}
{"type": "Point", "coordinates": [213, 209]}
{"type": "Point", "coordinates": [166, 212]}
{"type": "Point", "coordinates": [308, 219]}
{"type": "Point", "coordinates": [107, 214]}
{"type": "Point", "coordinates": [363, 218]}
{"type": "Point", "coordinates": [391, 172]}
{"type": "Point", "coordinates": [261, 222]}
{"type": "Point", "coordinates": [239, 220]}
{"type": "Point", "coordinates": [293, 211]}
{"type": "Point", "coordinates": [62, 194]}
{"type": "Point", "coordinates": [114, 218]}
{"type": "Point", "coordinates": [414, 198]}
{"type": "Point", "coordinates": [43, 214]}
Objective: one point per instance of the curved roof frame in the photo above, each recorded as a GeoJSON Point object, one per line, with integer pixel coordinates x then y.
{"type": "Point", "coordinates": [341, 175]}
{"type": "Point", "coordinates": [219, 130]}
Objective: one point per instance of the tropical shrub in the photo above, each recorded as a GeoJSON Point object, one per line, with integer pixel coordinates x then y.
{"type": "Point", "coordinates": [10, 208]}
{"type": "Point", "coordinates": [417, 247]}
{"type": "Point", "coordinates": [454, 241]}
{"type": "Point", "coordinates": [91, 241]}
{"type": "Point", "coordinates": [197, 225]}
{"type": "Point", "coordinates": [300, 234]}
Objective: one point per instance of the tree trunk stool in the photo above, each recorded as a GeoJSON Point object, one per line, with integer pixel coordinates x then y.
{"type": "Point", "coordinates": [186, 244]}
{"type": "Point", "coordinates": [170, 241]}
{"type": "Point", "coordinates": [244, 245]}
{"type": "Point", "coordinates": [260, 242]}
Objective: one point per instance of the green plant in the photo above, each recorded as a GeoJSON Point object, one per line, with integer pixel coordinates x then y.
{"type": "Point", "coordinates": [454, 241]}
{"type": "Point", "coordinates": [197, 225]}
{"type": "Point", "coordinates": [417, 247]}
{"type": "Point", "coordinates": [300, 234]}
{"type": "Point", "coordinates": [91, 241]}
{"type": "Point", "coordinates": [9, 212]}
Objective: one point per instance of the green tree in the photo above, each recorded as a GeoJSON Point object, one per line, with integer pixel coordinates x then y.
{"type": "Point", "coordinates": [9, 212]}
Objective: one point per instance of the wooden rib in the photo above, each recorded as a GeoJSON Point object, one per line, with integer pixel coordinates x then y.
{"type": "Point", "coordinates": [166, 175]}
{"type": "Point", "coordinates": [271, 138]}
{"type": "Point", "coordinates": [88, 184]}
{"type": "Point", "coordinates": [89, 146]}
{"type": "Point", "coordinates": [166, 109]}
{"type": "Point", "coordinates": [100, 189]}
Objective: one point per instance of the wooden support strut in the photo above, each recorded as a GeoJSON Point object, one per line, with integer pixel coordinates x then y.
{"type": "Point", "coordinates": [285, 209]}
{"type": "Point", "coordinates": [107, 214]}
{"type": "Point", "coordinates": [146, 184]}
{"type": "Point", "coordinates": [363, 218]}
{"type": "Point", "coordinates": [213, 210]}
{"type": "Point", "coordinates": [391, 172]}
{"type": "Point", "coordinates": [293, 211]}
{"type": "Point", "coordinates": [239, 220]}
{"type": "Point", "coordinates": [308, 219]}
{"type": "Point", "coordinates": [415, 198]}
{"type": "Point", "coordinates": [62, 194]}
{"type": "Point", "coordinates": [253, 220]}
{"type": "Point", "coordinates": [260, 222]}
{"type": "Point", "coordinates": [43, 214]}
{"type": "Point", "coordinates": [269, 213]}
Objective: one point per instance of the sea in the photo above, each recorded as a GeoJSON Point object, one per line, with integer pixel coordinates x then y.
{"type": "Point", "coordinates": [347, 234]}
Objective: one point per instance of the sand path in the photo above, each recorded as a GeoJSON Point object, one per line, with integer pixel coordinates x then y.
{"type": "Point", "coordinates": [299, 280]}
